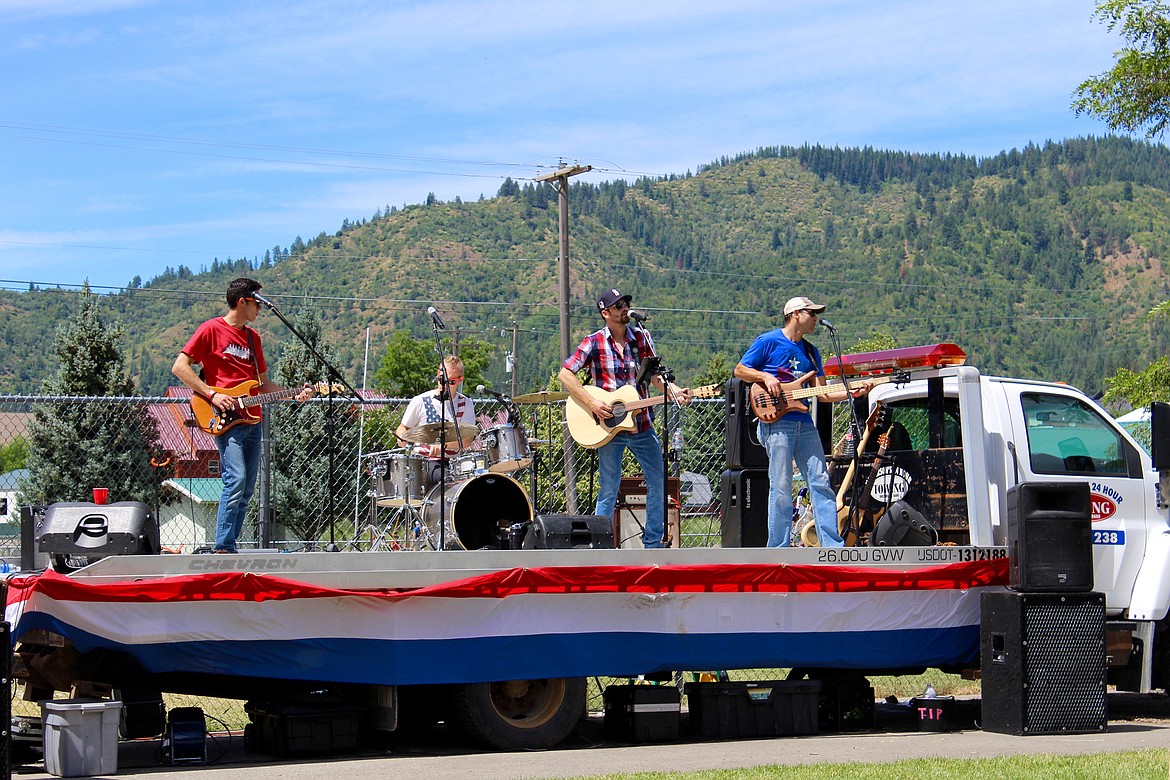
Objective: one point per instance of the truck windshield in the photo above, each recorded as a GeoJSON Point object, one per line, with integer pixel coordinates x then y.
{"type": "Point", "coordinates": [1067, 436]}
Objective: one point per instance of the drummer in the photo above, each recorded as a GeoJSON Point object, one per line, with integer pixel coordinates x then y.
{"type": "Point", "coordinates": [434, 406]}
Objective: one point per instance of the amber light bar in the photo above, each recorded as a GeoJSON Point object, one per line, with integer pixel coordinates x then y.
{"type": "Point", "coordinates": [904, 359]}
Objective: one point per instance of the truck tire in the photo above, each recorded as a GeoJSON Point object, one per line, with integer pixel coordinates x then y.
{"type": "Point", "coordinates": [519, 714]}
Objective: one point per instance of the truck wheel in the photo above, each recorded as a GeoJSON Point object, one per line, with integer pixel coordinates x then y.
{"type": "Point", "coordinates": [519, 714]}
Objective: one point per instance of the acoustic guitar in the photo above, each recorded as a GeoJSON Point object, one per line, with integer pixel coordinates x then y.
{"type": "Point", "coordinates": [592, 432]}
{"type": "Point", "coordinates": [770, 408]}
{"type": "Point", "coordinates": [215, 421]}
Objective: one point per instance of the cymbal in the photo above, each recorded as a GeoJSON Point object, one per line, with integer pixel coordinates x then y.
{"type": "Point", "coordinates": [430, 433]}
{"type": "Point", "coordinates": [541, 396]}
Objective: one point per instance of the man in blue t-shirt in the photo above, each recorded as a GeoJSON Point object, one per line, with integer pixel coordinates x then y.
{"type": "Point", "coordinates": [781, 356]}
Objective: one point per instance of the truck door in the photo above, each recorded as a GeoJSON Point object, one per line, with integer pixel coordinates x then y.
{"type": "Point", "coordinates": [1069, 439]}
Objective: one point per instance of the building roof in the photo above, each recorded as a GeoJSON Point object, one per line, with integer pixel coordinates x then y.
{"type": "Point", "coordinates": [177, 432]}
{"type": "Point", "coordinates": [10, 479]}
{"type": "Point", "coordinates": [201, 490]}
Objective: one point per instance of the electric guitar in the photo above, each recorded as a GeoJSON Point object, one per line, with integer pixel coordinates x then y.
{"type": "Point", "coordinates": [770, 408]}
{"type": "Point", "coordinates": [215, 421]}
{"type": "Point", "coordinates": [592, 432]}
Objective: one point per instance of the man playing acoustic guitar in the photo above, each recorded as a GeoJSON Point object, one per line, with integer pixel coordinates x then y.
{"type": "Point", "coordinates": [781, 356]}
{"type": "Point", "coordinates": [231, 353]}
{"type": "Point", "coordinates": [613, 355]}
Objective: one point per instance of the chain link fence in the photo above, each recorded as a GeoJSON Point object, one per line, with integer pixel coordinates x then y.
{"type": "Point", "coordinates": [332, 471]}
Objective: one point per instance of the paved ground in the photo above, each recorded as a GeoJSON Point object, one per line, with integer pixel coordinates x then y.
{"type": "Point", "coordinates": [1135, 723]}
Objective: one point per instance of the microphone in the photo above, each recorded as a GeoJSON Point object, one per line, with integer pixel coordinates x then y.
{"type": "Point", "coordinates": [261, 299]}
{"type": "Point", "coordinates": [480, 389]}
{"type": "Point", "coordinates": [828, 325]}
{"type": "Point", "coordinates": [435, 318]}
{"type": "Point", "coordinates": [638, 316]}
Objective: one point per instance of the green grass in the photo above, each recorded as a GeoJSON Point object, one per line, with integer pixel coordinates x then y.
{"type": "Point", "coordinates": [1132, 765]}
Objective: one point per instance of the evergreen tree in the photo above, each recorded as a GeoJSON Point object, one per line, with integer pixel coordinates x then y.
{"type": "Point", "coordinates": [75, 445]}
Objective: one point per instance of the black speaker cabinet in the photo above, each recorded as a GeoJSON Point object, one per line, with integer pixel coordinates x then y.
{"type": "Point", "coordinates": [1050, 537]}
{"type": "Point", "coordinates": [6, 705]}
{"type": "Point", "coordinates": [745, 508]}
{"type": "Point", "coordinates": [1160, 435]}
{"type": "Point", "coordinates": [124, 528]}
{"type": "Point", "coordinates": [743, 448]}
{"type": "Point", "coordinates": [1043, 662]}
{"type": "Point", "coordinates": [564, 532]}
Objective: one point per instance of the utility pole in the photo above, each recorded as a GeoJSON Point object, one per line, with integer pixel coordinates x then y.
{"type": "Point", "coordinates": [560, 179]}
{"type": "Point", "coordinates": [515, 347]}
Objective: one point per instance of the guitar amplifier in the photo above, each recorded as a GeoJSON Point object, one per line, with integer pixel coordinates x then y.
{"type": "Point", "coordinates": [629, 514]}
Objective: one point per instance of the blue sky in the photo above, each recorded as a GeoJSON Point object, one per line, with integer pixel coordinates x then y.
{"type": "Point", "coordinates": [141, 134]}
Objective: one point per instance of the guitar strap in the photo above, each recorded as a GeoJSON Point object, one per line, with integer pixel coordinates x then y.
{"type": "Point", "coordinates": [252, 352]}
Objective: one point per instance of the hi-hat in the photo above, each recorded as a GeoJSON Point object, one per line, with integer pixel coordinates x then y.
{"type": "Point", "coordinates": [430, 433]}
{"type": "Point", "coordinates": [542, 396]}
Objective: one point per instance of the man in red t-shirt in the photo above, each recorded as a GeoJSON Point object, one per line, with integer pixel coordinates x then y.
{"type": "Point", "coordinates": [230, 353]}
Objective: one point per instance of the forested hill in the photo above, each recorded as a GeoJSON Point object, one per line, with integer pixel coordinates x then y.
{"type": "Point", "coordinates": [1039, 262]}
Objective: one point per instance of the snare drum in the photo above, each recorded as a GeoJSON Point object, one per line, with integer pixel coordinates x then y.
{"type": "Point", "coordinates": [507, 448]}
{"type": "Point", "coordinates": [465, 464]}
{"type": "Point", "coordinates": [399, 478]}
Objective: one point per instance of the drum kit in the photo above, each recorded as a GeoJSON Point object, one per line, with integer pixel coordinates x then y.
{"type": "Point", "coordinates": [481, 503]}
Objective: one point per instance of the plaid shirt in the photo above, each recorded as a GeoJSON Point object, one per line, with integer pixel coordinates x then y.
{"type": "Point", "coordinates": [609, 369]}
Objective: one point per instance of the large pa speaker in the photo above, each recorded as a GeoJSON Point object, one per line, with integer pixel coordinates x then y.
{"type": "Point", "coordinates": [740, 439]}
{"type": "Point", "coordinates": [95, 530]}
{"type": "Point", "coordinates": [1050, 537]}
{"type": "Point", "coordinates": [564, 532]}
{"type": "Point", "coordinates": [745, 508]}
{"type": "Point", "coordinates": [1043, 662]}
{"type": "Point", "coordinates": [1160, 435]}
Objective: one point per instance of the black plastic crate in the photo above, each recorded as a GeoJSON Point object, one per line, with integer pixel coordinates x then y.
{"type": "Point", "coordinates": [753, 709]}
{"type": "Point", "coordinates": [288, 728]}
{"type": "Point", "coordinates": [642, 713]}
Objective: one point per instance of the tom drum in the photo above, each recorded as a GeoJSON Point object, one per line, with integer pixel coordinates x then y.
{"type": "Point", "coordinates": [507, 448]}
{"type": "Point", "coordinates": [399, 478]}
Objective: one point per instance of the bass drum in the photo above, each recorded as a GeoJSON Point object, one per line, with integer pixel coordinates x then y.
{"type": "Point", "coordinates": [478, 512]}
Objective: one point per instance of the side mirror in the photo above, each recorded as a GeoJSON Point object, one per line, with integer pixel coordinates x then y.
{"type": "Point", "coordinates": [1160, 435]}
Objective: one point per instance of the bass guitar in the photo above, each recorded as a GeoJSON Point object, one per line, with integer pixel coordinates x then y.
{"type": "Point", "coordinates": [215, 421]}
{"type": "Point", "coordinates": [770, 408]}
{"type": "Point", "coordinates": [592, 432]}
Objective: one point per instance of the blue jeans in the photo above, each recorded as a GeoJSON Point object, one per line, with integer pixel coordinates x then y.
{"type": "Point", "coordinates": [239, 463]}
{"type": "Point", "coordinates": [648, 451]}
{"type": "Point", "coordinates": [785, 440]}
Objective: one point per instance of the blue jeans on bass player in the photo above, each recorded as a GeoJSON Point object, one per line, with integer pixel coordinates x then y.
{"type": "Point", "coordinates": [787, 439]}
{"type": "Point", "coordinates": [239, 463]}
{"type": "Point", "coordinates": [648, 451]}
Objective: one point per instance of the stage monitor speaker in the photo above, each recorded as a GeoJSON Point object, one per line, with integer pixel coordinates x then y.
{"type": "Point", "coordinates": [1043, 662]}
{"type": "Point", "coordinates": [740, 439]}
{"type": "Point", "coordinates": [94, 530]}
{"type": "Point", "coordinates": [1050, 537]}
{"type": "Point", "coordinates": [1160, 435]}
{"type": "Point", "coordinates": [565, 532]}
{"type": "Point", "coordinates": [745, 508]}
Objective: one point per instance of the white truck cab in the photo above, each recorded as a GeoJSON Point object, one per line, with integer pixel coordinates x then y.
{"type": "Point", "coordinates": [956, 441]}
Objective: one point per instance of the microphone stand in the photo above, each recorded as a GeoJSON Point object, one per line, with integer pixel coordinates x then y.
{"type": "Point", "coordinates": [445, 397]}
{"type": "Point", "coordinates": [854, 426]}
{"type": "Point", "coordinates": [335, 377]}
{"type": "Point", "coordinates": [668, 454]}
